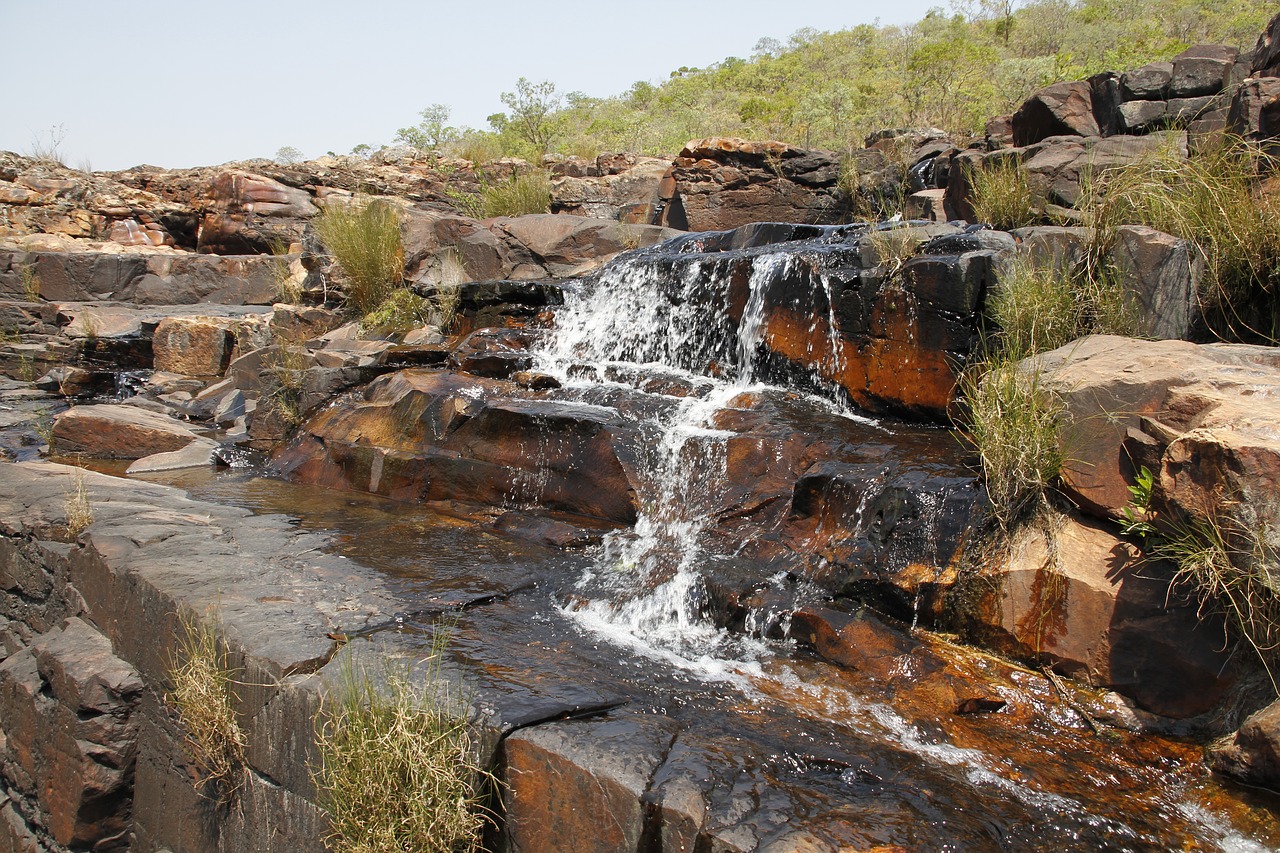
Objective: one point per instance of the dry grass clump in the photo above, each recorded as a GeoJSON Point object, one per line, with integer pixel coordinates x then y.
{"type": "Point", "coordinates": [30, 282]}
{"type": "Point", "coordinates": [1039, 307]}
{"type": "Point", "coordinates": [1214, 199]}
{"type": "Point", "coordinates": [77, 507]}
{"type": "Point", "coordinates": [1003, 195]}
{"type": "Point", "coordinates": [1013, 422]}
{"type": "Point", "coordinates": [201, 681]}
{"type": "Point", "coordinates": [364, 239]}
{"type": "Point", "coordinates": [398, 770]}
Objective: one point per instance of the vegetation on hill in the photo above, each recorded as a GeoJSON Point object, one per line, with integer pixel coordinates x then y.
{"type": "Point", "coordinates": [829, 90]}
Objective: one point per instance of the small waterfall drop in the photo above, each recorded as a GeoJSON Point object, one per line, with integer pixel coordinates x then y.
{"type": "Point", "coordinates": [641, 320]}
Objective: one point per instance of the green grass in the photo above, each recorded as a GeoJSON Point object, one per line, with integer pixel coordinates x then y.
{"type": "Point", "coordinates": [1215, 200]}
{"type": "Point", "coordinates": [364, 240]}
{"type": "Point", "coordinates": [1013, 423]}
{"type": "Point", "coordinates": [1003, 196]}
{"type": "Point", "coordinates": [517, 195]}
{"type": "Point", "coordinates": [202, 680]}
{"type": "Point", "coordinates": [398, 770]}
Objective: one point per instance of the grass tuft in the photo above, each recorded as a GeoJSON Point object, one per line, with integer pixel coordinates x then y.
{"type": "Point", "coordinates": [364, 239]}
{"type": "Point", "coordinates": [1013, 423]}
{"type": "Point", "coordinates": [30, 282]}
{"type": "Point", "coordinates": [77, 507]}
{"type": "Point", "coordinates": [518, 195]}
{"type": "Point", "coordinates": [398, 770]}
{"type": "Point", "coordinates": [1003, 196]}
{"type": "Point", "coordinates": [201, 681]}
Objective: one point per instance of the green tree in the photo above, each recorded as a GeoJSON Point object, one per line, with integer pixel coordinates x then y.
{"type": "Point", "coordinates": [432, 132]}
{"type": "Point", "coordinates": [532, 117]}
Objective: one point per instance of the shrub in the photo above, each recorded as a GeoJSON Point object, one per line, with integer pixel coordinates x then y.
{"type": "Point", "coordinates": [397, 766]}
{"type": "Point", "coordinates": [1214, 199]}
{"type": "Point", "coordinates": [1039, 307]}
{"type": "Point", "coordinates": [201, 695]}
{"type": "Point", "coordinates": [401, 311]}
{"type": "Point", "coordinates": [1013, 422]}
{"type": "Point", "coordinates": [364, 239]}
{"type": "Point", "coordinates": [1003, 196]}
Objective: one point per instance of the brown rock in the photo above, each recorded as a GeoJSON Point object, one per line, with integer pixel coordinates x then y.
{"type": "Point", "coordinates": [1253, 754]}
{"type": "Point", "coordinates": [1148, 83]}
{"type": "Point", "coordinates": [1201, 70]}
{"type": "Point", "coordinates": [725, 183]}
{"type": "Point", "coordinates": [579, 785]}
{"type": "Point", "coordinates": [1213, 397]}
{"type": "Point", "coordinates": [192, 346]}
{"type": "Point", "coordinates": [67, 704]}
{"type": "Point", "coordinates": [1075, 594]}
{"type": "Point", "coordinates": [118, 432]}
{"type": "Point", "coordinates": [1062, 109]}
{"type": "Point", "coordinates": [569, 246]}
{"type": "Point", "coordinates": [1266, 55]}
{"type": "Point", "coordinates": [1255, 109]}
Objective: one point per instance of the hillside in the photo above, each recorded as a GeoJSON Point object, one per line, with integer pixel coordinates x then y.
{"type": "Point", "coordinates": [952, 70]}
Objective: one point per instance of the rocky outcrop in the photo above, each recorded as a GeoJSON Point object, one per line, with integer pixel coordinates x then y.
{"type": "Point", "coordinates": [720, 183]}
{"type": "Point", "coordinates": [616, 187]}
{"type": "Point", "coordinates": [1201, 420]}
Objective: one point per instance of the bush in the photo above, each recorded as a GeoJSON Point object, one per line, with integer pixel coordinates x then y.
{"type": "Point", "coordinates": [405, 310]}
{"type": "Point", "coordinates": [1013, 423]}
{"type": "Point", "coordinates": [398, 770]}
{"type": "Point", "coordinates": [364, 239]}
{"type": "Point", "coordinates": [1042, 307]}
{"type": "Point", "coordinates": [1003, 196]}
{"type": "Point", "coordinates": [1215, 200]}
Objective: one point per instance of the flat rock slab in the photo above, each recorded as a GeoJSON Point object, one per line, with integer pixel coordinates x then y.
{"type": "Point", "coordinates": [198, 453]}
{"type": "Point", "coordinates": [118, 432]}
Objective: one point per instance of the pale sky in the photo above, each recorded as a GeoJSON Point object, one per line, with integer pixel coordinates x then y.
{"type": "Point", "coordinates": [181, 84]}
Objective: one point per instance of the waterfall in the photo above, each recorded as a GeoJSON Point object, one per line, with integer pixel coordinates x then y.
{"type": "Point", "coordinates": [642, 319]}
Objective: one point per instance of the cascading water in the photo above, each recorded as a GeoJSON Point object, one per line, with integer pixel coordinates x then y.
{"type": "Point", "coordinates": [642, 321]}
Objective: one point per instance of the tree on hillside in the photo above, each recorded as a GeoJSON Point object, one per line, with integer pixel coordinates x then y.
{"type": "Point", "coordinates": [532, 117]}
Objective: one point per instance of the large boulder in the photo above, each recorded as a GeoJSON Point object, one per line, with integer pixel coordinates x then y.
{"type": "Point", "coordinates": [1200, 417]}
{"type": "Point", "coordinates": [118, 432]}
{"type": "Point", "coordinates": [570, 246]}
{"type": "Point", "coordinates": [1068, 591]}
{"type": "Point", "coordinates": [620, 187]}
{"type": "Point", "coordinates": [423, 435]}
{"type": "Point", "coordinates": [1062, 109]}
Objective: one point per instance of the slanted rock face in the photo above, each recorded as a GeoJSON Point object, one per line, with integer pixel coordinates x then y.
{"type": "Point", "coordinates": [1063, 109]}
